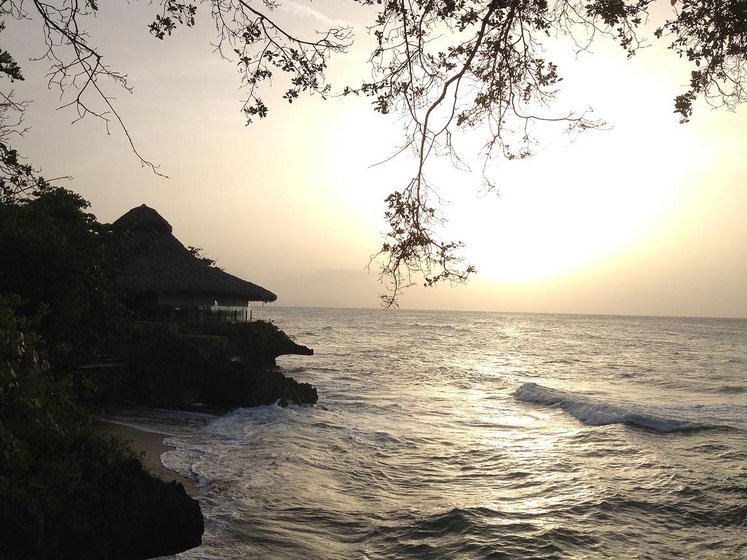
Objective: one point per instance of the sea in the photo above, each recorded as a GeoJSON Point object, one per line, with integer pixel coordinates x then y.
{"type": "Point", "coordinates": [463, 435]}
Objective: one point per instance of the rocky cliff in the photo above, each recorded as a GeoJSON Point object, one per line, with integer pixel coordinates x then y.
{"type": "Point", "coordinates": [223, 365]}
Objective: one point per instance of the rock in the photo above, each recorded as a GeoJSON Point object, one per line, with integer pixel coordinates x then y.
{"type": "Point", "coordinates": [121, 513]}
{"type": "Point", "coordinates": [166, 369]}
{"type": "Point", "coordinates": [257, 343]}
{"type": "Point", "coordinates": [147, 517]}
{"type": "Point", "coordinates": [219, 364]}
{"type": "Point", "coordinates": [236, 385]}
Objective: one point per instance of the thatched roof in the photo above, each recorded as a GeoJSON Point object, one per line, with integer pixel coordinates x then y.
{"type": "Point", "coordinates": [162, 264]}
{"type": "Point", "coordinates": [143, 218]}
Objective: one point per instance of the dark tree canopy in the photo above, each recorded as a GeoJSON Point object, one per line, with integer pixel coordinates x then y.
{"type": "Point", "coordinates": [63, 263]}
{"type": "Point", "coordinates": [445, 65]}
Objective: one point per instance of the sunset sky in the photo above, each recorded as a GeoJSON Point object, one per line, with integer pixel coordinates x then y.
{"type": "Point", "coordinates": [645, 218]}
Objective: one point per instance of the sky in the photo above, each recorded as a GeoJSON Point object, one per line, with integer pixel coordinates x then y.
{"type": "Point", "coordinates": [645, 217]}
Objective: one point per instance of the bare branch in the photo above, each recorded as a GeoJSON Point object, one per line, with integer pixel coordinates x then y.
{"type": "Point", "coordinates": [446, 66]}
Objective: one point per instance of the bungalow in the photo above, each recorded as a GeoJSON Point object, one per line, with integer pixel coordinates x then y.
{"type": "Point", "coordinates": [164, 281]}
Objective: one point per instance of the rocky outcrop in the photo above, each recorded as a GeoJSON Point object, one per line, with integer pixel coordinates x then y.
{"type": "Point", "coordinates": [166, 369]}
{"type": "Point", "coordinates": [257, 343]}
{"type": "Point", "coordinates": [121, 513]}
{"type": "Point", "coordinates": [220, 364]}
{"type": "Point", "coordinates": [234, 387]}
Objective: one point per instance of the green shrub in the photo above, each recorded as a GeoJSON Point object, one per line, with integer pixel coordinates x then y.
{"type": "Point", "coordinates": [48, 447]}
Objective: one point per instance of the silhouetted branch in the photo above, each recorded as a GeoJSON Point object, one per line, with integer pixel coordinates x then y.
{"type": "Point", "coordinates": [78, 66]}
{"type": "Point", "coordinates": [446, 66]}
{"type": "Point", "coordinates": [472, 64]}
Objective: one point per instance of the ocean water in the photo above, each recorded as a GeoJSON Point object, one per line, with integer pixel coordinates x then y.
{"type": "Point", "coordinates": [481, 435]}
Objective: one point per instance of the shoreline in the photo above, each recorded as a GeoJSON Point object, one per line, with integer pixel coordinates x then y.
{"type": "Point", "coordinates": [151, 445]}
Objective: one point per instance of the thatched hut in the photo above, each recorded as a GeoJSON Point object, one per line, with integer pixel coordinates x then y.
{"type": "Point", "coordinates": [163, 280]}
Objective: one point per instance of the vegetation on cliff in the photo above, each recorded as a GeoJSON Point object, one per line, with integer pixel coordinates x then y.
{"type": "Point", "coordinates": [65, 491]}
{"type": "Point", "coordinates": [215, 363]}
{"type": "Point", "coordinates": [63, 263]}
{"type": "Point", "coordinates": [62, 486]}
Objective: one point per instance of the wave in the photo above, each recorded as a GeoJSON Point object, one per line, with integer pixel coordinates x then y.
{"type": "Point", "coordinates": [732, 389]}
{"type": "Point", "coordinates": [600, 413]}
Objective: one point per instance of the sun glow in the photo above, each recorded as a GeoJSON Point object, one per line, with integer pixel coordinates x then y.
{"type": "Point", "coordinates": [645, 217]}
{"type": "Point", "coordinates": [577, 203]}
{"type": "Point", "coordinates": [550, 219]}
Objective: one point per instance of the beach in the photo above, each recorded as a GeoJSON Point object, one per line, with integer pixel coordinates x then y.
{"type": "Point", "coordinates": [152, 445]}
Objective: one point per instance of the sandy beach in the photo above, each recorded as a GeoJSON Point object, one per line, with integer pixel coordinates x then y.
{"type": "Point", "coordinates": [152, 445]}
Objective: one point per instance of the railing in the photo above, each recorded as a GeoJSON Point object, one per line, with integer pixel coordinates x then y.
{"type": "Point", "coordinates": [219, 313]}
{"type": "Point", "coordinates": [194, 314]}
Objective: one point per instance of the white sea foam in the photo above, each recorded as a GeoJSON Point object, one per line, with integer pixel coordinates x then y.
{"type": "Point", "coordinates": [601, 413]}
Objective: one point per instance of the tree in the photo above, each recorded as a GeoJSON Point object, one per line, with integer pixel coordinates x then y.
{"type": "Point", "coordinates": [446, 65]}
{"type": "Point", "coordinates": [63, 263]}
{"type": "Point", "coordinates": [17, 179]}
{"type": "Point", "coordinates": [65, 490]}
{"type": "Point", "coordinates": [64, 487]}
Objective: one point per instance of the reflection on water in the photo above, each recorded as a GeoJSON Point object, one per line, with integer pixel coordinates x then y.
{"type": "Point", "coordinates": [420, 448]}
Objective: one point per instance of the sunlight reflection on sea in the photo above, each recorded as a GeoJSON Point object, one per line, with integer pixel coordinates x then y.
{"type": "Point", "coordinates": [467, 435]}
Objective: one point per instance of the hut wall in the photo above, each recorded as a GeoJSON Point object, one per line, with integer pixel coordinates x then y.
{"type": "Point", "coordinates": [174, 299]}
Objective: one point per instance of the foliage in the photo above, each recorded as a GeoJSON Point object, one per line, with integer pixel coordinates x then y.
{"type": "Point", "coordinates": [197, 253]}
{"type": "Point", "coordinates": [17, 179]}
{"type": "Point", "coordinates": [48, 448]}
{"type": "Point", "coordinates": [65, 490]}
{"type": "Point", "coordinates": [446, 65]}
{"type": "Point", "coordinates": [63, 263]}
{"type": "Point", "coordinates": [483, 64]}
{"type": "Point", "coordinates": [712, 35]}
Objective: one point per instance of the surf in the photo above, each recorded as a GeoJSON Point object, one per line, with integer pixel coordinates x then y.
{"type": "Point", "coordinates": [598, 412]}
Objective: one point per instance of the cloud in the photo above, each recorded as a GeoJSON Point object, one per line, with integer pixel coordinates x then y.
{"type": "Point", "coordinates": [309, 12]}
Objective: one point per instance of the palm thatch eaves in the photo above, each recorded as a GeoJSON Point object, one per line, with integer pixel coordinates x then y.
{"type": "Point", "coordinates": [161, 264]}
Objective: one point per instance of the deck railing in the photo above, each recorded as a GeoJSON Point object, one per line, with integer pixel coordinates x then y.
{"type": "Point", "coordinates": [195, 314]}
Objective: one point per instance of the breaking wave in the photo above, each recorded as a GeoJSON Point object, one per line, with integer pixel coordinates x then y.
{"type": "Point", "coordinates": [601, 413]}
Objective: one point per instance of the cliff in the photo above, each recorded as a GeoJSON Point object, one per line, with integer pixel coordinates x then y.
{"type": "Point", "coordinates": [219, 364]}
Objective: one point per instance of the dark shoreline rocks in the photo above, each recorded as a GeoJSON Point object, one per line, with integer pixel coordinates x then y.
{"type": "Point", "coordinates": [117, 511]}
{"type": "Point", "coordinates": [137, 516]}
{"type": "Point", "coordinates": [125, 513]}
{"type": "Point", "coordinates": [235, 387]}
{"type": "Point", "coordinates": [222, 365]}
